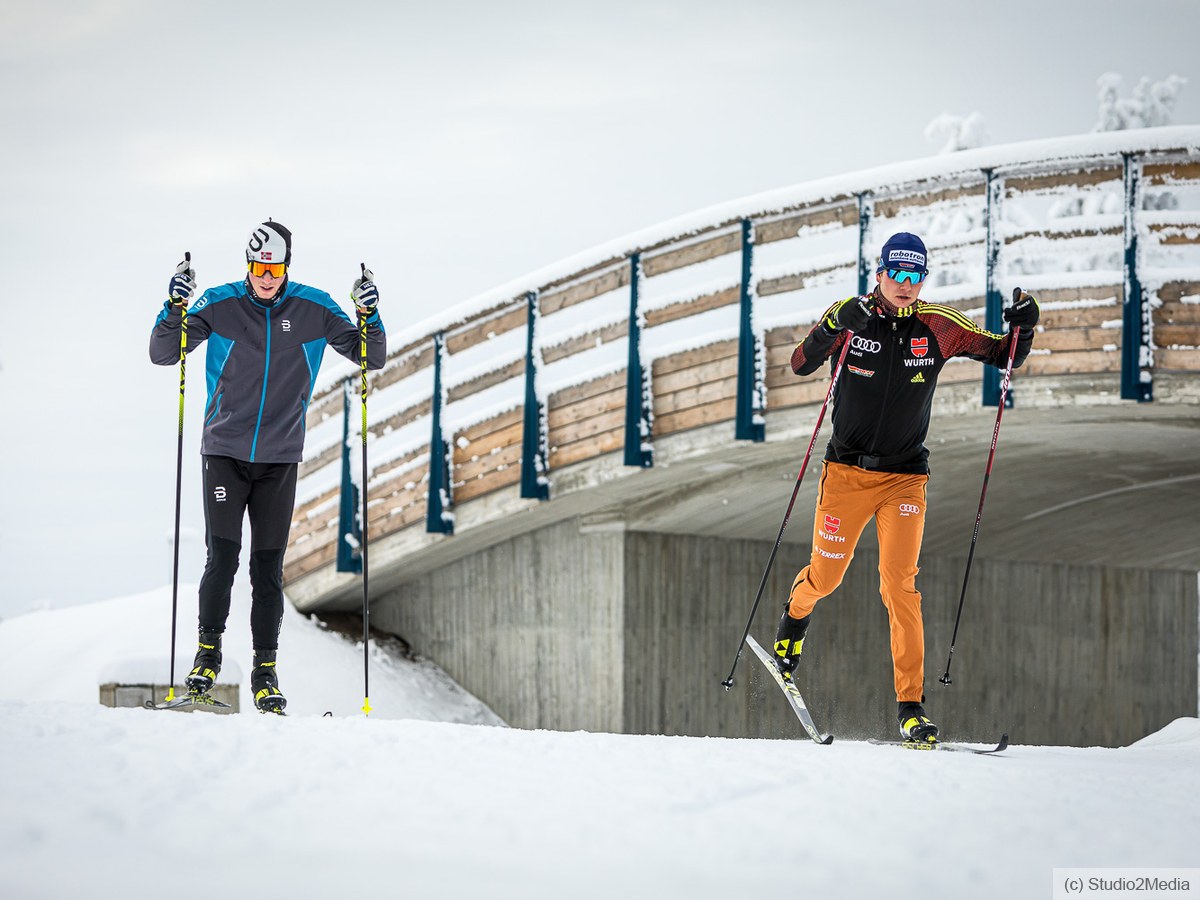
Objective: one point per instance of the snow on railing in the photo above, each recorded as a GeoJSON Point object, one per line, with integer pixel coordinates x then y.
{"type": "Point", "coordinates": [723, 294]}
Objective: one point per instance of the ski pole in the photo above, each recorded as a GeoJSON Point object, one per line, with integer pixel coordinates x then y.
{"type": "Point", "coordinates": [178, 487]}
{"type": "Point", "coordinates": [837, 370]}
{"type": "Point", "coordinates": [366, 614]}
{"type": "Point", "coordinates": [987, 472]}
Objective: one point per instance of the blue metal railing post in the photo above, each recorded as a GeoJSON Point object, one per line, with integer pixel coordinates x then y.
{"type": "Point", "coordinates": [639, 417]}
{"type": "Point", "coordinates": [1137, 351]}
{"type": "Point", "coordinates": [865, 262]}
{"type": "Point", "coordinates": [438, 517]}
{"type": "Point", "coordinates": [751, 386]}
{"type": "Point", "coordinates": [349, 550]}
{"type": "Point", "coordinates": [993, 299]}
{"type": "Point", "coordinates": [535, 452]}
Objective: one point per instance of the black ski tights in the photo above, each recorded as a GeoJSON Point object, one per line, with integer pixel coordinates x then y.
{"type": "Point", "coordinates": [266, 591]}
{"type": "Point", "coordinates": [267, 491]}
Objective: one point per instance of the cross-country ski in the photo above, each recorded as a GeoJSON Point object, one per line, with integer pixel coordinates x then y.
{"type": "Point", "coordinates": [943, 746]}
{"type": "Point", "coordinates": [791, 692]}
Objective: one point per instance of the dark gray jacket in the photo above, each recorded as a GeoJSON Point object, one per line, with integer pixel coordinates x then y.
{"type": "Point", "coordinates": [262, 363]}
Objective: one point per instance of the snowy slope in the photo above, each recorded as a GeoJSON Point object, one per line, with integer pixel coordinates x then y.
{"type": "Point", "coordinates": [65, 654]}
{"type": "Point", "coordinates": [135, 804]}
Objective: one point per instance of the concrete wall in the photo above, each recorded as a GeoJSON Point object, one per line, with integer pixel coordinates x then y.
{"type": "Point", "coordinates": [1051, 653]}
{"type": "Point", "coordinates": [532, 626]}
{"type": "Point", "coordinates": [634, 631]}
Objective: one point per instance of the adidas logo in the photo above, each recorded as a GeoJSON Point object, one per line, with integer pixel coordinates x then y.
{"type": "Point", "coordinates": [919, 378]}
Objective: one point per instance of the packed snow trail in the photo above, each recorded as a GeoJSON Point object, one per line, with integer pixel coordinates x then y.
{"type": "Point", "coordinates": [136, 804]}
{"type": "Point", "coordinates": [142, 805]}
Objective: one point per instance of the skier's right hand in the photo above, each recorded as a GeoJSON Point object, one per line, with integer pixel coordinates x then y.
{"type": "Point", "coordinates": [1024, 311]}
{"type": "Point", "coordinates": [852, 315]}
{"type": "Point", "coordinates": [183, 284]}
{"type": "Point", "coordinates": [365, 295]}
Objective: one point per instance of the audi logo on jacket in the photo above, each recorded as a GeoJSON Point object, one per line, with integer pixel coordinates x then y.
{"type": "Point", "coordinates": [884, 395]}
{"type": "Point", "coordinates": [262, 363]}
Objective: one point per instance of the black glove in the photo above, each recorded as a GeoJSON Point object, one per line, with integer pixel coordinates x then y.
{"type": "Point", "coordinates": [183, 284]}
{"type": "Point", "coordinates": [852, 314]}
{"type": "Point", "coordinates": [365, 295]}
{"type": "Point", "coordinates": [1024, 311]}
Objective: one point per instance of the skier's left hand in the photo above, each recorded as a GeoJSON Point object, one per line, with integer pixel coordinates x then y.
{"type": "Point", "coordinates": [1024, 311]}
{"type": "Point", "coordinates": [365, 295]}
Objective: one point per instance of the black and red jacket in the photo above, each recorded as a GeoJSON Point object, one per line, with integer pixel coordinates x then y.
{"type": "Point", "coordinates": [885, 392]}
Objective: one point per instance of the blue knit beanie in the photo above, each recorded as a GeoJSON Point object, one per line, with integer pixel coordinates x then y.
{"type": "Point", "coordinates": [904, 251]}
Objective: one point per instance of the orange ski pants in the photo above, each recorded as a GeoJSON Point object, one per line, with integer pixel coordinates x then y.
{"type": "Point", "coordinates": [847, 498]}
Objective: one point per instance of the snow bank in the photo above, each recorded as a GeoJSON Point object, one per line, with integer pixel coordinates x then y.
{"type": "Point", "coordinates": [64, 655]}
{"type": "Point", "coordinates": [1181, 731]}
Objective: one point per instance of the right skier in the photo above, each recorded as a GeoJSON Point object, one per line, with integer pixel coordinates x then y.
{"type": "Point", "coordinates": [876, 464]}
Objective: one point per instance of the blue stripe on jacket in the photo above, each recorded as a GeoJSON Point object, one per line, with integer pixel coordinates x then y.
{"type": "Point", "coordinates": [219, 348]}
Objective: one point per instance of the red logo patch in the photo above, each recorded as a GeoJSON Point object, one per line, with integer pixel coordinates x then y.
{"type": "Point", "coordinates": [266, 255]}
{"type": "Point", "coordinates": [920, 346]}
{"type": "Point", "coordinates": [832, 524]}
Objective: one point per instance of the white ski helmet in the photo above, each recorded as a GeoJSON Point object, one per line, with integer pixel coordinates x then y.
{"type": "Point", "coordinates": [270, 242]}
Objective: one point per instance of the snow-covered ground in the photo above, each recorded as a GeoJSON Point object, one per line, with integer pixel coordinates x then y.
{"type": "Point", "coordinates": [54, 655]}
{"type": "Point", "coordinates": [128, 803]}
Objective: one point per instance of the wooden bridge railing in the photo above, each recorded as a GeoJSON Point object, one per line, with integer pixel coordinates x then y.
{"type": "Point", "coordinates": [1104, 229]}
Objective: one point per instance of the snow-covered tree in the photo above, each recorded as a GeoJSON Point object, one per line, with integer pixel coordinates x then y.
{"type": "Point", "coordinates": [957, 132]}
{"type": "Point", "coordinates": [1152, 103]}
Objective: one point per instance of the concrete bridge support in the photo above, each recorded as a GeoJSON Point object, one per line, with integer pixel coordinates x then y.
{"type": "Point", "coordinates": [586, 625]}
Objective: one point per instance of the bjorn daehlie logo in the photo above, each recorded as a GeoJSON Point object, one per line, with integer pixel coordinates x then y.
{"type": "Point", "coordinates": [257, 239]}
{"type": "Point", "coordinates": [219, 494]}
{"type": "Point", "coordinates": [287, 325]}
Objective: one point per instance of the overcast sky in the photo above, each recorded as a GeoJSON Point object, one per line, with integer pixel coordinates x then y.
{"type": "Point", "coordinates": [452, 146]}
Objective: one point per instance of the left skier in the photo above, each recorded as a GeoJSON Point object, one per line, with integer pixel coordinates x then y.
{"type": "Point", "coordinates": [266, 337]}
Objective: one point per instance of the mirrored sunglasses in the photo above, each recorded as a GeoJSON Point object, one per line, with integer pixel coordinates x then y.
{"type": "Point", "coordinates": [903, 275]}
{"type": "Point", "coordinates": [258, 269]}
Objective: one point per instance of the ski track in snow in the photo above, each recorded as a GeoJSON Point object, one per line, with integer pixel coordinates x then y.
{"type": "Point", "coordinates": [136, 804]}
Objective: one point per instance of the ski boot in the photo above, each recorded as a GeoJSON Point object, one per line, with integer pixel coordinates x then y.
{"type": "Point", "coordinates": [264, 683]}
{"type": "Point", "coordinates": [789, 642]}
{"type": "Point", "coordinates": [207, 665]}
{"type": "Point", "coordinates": [915, 726]}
